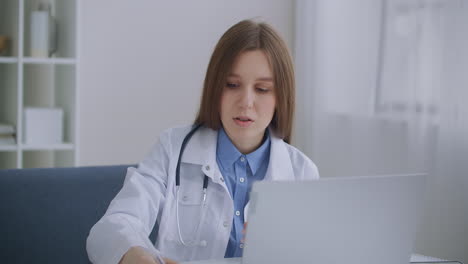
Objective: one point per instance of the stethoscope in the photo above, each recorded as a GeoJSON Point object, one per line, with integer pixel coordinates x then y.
{"type": "Point", "coordinates": [205, 186]}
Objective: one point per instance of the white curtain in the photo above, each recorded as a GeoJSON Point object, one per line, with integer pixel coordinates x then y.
{"type": "Point", "coordinates": [382, 89]}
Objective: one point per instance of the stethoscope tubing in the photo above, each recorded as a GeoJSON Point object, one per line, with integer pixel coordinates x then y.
{"type": "Point", "coordinates": [182, 149]}
{"type": "Point", "coordinates": [205, 187]}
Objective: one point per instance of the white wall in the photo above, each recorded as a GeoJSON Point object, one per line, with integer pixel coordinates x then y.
{"type": "Point", "coordinates": [142, 65]}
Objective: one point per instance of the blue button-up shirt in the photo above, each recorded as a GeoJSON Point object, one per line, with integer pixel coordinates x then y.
{"type": "Point", "coordinates": [240, 172]}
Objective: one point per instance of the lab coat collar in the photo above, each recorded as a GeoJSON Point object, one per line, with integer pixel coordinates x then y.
{"type": "Point", "coordinates": [279, 167]}
{"type": "Point", "coordinates": [201, 150]}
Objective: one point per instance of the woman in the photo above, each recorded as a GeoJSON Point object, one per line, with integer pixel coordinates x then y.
{"type": "Point", "coordinates": [241, 135]}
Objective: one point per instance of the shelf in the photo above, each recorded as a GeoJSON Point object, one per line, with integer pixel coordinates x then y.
{"type": "Point", "coordinates": [47, 82]}
{"type": "Point", "coordinates": [9, 27]}
{"type": "Point", "coordinates": [8, 160]}
{"type": "Point", "coordinates": [48, 158]}
{"type": "Point", "coordinates": [49, 61]}
{"type": "Point", "coordinates": [64, 146]}
{"type": "Point", "coordinates": [4, 148]}
{"type": "Point", "coordinates": [9, 94]}
{"type": "Point", "coordinates": [8, 60]}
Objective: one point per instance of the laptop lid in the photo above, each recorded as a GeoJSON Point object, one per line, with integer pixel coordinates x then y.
{"type": "Point", "coordinates": [334, 220]}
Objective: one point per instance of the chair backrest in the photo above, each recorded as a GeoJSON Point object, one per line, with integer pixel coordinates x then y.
{"type": "Point", "coordinates": [46, 214]}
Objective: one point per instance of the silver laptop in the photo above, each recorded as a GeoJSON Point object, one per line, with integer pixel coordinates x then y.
{"type": "Point", "coordinates": [352, 220]}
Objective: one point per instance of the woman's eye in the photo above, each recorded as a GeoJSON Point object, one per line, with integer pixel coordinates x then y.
{"type": "Point", "coordinates": [263, 90]}
{"type": "Point", "coordinates": [231, 85]}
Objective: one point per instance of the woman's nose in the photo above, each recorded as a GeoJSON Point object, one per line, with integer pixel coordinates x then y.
{"type": "Point", "coordinates": [247, 98]}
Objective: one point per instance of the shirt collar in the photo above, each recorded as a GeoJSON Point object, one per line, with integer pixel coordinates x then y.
{"type": "Point", "coordinates": [227, 153]}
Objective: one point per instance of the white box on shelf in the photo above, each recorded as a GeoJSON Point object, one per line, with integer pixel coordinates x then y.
{"type": "Point", "coordinates": [43, 126]}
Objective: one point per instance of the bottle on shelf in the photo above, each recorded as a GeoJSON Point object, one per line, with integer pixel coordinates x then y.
{"type": "Point", "coordinates": [43, 32]}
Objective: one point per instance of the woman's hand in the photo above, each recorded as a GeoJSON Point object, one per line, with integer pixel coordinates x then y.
{"type": "Point", "coordinates": [137, 255]}
{"type": "Point", "coordinates": [244, 231]}
{"type": "Point", "coordinates": [169, 261]}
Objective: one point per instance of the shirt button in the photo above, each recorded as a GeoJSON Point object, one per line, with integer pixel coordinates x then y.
{"type": "Point", "coordinates": [241, 245]}
{"type": "Point", "coordinates": [225, 224]}
{"type": "Point", "coordinates": [222, 179]}
{"type": "Point", "coordinates": [237, 213]}
{"type": "Point", "coordinates": [242, 159]}
{"type": "Point", "coordinates": [207, 167]}
{"type": "Point", "coordinates": [241, 179]}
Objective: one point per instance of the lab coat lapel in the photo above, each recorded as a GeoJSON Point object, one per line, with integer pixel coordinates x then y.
{"type": "Point", "coordinates": [279, 167]}
{"type": "Point", "coordinates": [201, 150]}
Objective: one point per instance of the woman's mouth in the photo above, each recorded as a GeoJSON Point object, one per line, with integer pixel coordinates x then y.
{"type": "Point", "coordinates": [243, 121]}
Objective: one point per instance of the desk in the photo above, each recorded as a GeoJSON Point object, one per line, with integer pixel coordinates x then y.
{"type": "Point", "coordinates": [415, 258]}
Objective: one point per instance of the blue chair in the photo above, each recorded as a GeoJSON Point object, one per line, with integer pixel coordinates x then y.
{"type": "Point", "coordinates": [46, 214]}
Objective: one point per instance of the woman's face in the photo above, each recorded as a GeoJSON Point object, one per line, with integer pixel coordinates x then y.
{"type": "Point", "coordinates": [248, 100]}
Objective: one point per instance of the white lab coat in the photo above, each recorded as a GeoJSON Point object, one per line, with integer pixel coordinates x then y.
{"type": "Point", "coordinates": [148, 195]}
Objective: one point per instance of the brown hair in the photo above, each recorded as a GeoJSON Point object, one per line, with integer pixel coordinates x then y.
{"type": "Point", "coordinates": [249, 35]}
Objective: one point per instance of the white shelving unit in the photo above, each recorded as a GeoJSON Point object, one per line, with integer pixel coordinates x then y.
{"type": "Point", "coordinates": [27, 81]}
